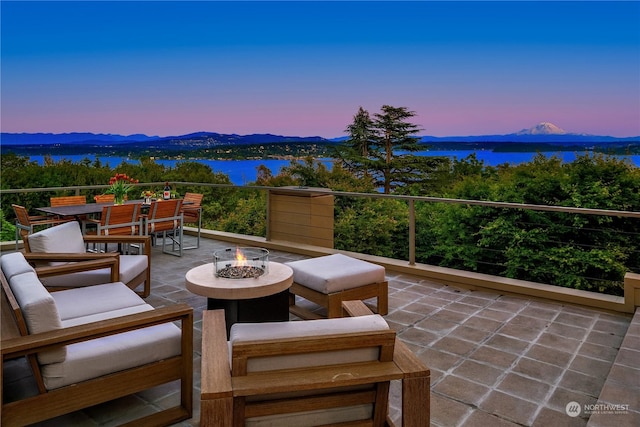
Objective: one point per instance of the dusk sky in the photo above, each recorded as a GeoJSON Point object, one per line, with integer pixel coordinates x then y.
{"type": "Point", "coordinates": [303, 68]}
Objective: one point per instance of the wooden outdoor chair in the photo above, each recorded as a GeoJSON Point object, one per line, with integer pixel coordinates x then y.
{"type": "Point", "coordinates": [65, 243]}
{"type": "Point", "coordinates": [118, 220]}
{"type": "Point", "coordinates": [104, 198]}
{"type": "Point", "coordinates": [70, 201]}
{"type": "Point", "coordinates": [192, 213]}
{"type": "Point", "coordinates": [27, 224]}
{"type": "Point", "coordinates": [165, 221]}
{"type": "Point", "coordinates": [67, 200]}
{"type": "Point", "coordinates": [86, 346]}
{"type": "Point", "coordinates": [317, 372]}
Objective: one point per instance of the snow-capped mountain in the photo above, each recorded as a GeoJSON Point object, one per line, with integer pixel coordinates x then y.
{"type": "Point", "coordinates": [543, 128]}
{"type": "Point", "coordinates": [543, 132]}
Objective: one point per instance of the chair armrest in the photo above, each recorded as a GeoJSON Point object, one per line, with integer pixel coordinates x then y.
{"type": "Point", "coordinates": [34, 343]}
{"type": "Point", "coordinates": [408, 362]}
{"type": "Point", "coordinates": [416, 387]}
{"type": "Point", "coordinates": [67, 256]}
{"type": "Point", "coordinates": [145, 240]}
{"type": "Point", "coordinates": [216, 369]}
{"type": "Point", "coordinates": [75, 263]}
{"type": "Point", "coordinates": [46, 220]}
{"type": "Point", "coordinates": [355, 308]}
{"type": "Point", "coordinates": [38, 217]}
{"type": "Point", "coordinates": [416, 376]}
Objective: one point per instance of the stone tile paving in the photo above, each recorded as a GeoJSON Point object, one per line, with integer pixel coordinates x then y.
{"type": "Point", "coordinates": [507, 360]}
{"type": "Point", "coordinates": [495, 360]}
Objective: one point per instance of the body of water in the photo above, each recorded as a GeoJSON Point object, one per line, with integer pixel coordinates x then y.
{"type": "Point", "coordinates": [242, 172]}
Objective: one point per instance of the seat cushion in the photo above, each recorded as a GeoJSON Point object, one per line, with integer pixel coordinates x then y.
{"type": "Point", "coordinates": [14, 263]}
{"type": "Point", "coordinates": [244, 332]}
{"type": "Point", "coordinates": [130, 267]}
{"type": "Point", "coordinates": [94, 301]}
{"type": "Point", "coordinates": [334, 273]}
{"type": "Point", "coordinates": [95, 358]}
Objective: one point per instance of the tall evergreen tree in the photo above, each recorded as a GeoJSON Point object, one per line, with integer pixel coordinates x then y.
{"type": "Point", "coordinates": [394, 133]}
{"type": "Point", "coordinates": [354, 153]}
{"type": "Point", "coordinates": [381, 148]}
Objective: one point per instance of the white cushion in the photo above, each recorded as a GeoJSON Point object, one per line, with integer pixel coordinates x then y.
{"type": "Point", "coordinates": [95, 358]}
{"type": "Point", "coordinates": [334, 273]}
{"type": "Point", "coordinates": [63, 238]}
{"type": "Point", "coordinates": [14, 263]}
{"type": "Point", "coordinates": [130, 267]}
{"type": "Point", "coordinates": [92, 300]}
{"type": "Point", "coordinates": [243, 332]}
{"type": "Point", "coordinates": [39, 311]}
{"type": "Point", "coordinates": [91, 359]}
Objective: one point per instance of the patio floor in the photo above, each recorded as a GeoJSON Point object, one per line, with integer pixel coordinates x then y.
{"type": "Point", "coordinates": [495, 360]}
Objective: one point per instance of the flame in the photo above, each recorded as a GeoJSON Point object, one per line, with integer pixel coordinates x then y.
{"type": "Point", "coordinates": [240, 258]}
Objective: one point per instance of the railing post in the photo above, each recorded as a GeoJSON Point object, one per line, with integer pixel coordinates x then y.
{"type": "Point", "coordinates": [412, 232]}
{"type": "Point", "coordinates": [268, 217]}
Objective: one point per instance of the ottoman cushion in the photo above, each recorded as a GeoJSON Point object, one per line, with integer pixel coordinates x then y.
{"type": "Point", "coordinates": [334, 273]}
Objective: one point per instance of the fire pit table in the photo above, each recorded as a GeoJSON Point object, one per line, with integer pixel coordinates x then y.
{"type": "Point", "coordinates": [244, 295]}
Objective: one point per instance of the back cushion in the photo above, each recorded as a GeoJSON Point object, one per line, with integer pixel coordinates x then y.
{"type": "Point", "coordinates": [39, 311]}
{"type": "Point", "coordinates": [63, 238]}
{"type": "Point", "coordinates": [14, 263]}
{"type": "Point", "coordinates": [243, 332]}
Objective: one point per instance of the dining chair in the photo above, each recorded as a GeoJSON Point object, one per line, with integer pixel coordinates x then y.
{"type": "Point", "coordinates": [192, 213]}
{"type": "Point", "coordinates": [165, 220]}
{"type": "Point", "coordinates": [104, 198]}
{"type": "Point", "coordinates": [67, 200]}
{"type": "Point", "coordinates": [70, 201]}
{"type": "Point", "coordinates": [118, 220]}
{"type": "Point", "coordinates": [26, 224]}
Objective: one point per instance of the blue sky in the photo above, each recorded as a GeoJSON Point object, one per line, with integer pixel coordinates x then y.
{"type": "Point", "coordinates": [304, 68]}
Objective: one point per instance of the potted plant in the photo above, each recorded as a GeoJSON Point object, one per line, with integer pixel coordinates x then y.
{"type": "Point", "coordinates": [120, 185]}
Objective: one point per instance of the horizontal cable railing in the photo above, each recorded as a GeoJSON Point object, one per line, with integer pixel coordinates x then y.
{"type": "Point", "coordinates": [516, 240]}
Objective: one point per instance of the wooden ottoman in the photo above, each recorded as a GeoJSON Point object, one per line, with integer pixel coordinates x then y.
{"type": "Point", "coordinates": [331, 279]}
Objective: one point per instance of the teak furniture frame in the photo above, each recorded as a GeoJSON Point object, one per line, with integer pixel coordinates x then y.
{"type": "Point", "coordinates": [26, 224]}
{"type": "Point", "coordinates": [17, 342]}
{"type": "Point", "coordinates": [192, 213]}
{"type": "Point", "coordinates": [225, 395]}
{"type": "Point", "coordinates": [332, 302]}
{"type": "Point", "coordinates": [67, 200]}
{"type": "Point", "coordinates": [165, 216]}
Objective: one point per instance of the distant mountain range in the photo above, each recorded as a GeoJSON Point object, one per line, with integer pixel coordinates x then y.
{"type": "Point", "coordinates": [544, 133]}
{"type": "Point", "coordinates": [107, 139]}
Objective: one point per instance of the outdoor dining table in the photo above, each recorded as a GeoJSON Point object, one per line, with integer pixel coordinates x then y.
{"type": "Point", "coordinates": [87, 209]}
{"type": "Point", "coordinates": [92, 209]}
{"type": "Point", "coordinates": [77, 211]}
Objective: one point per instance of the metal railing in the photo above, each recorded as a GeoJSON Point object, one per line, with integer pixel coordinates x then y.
{"type": "Point", "coordinates": [412, 218]}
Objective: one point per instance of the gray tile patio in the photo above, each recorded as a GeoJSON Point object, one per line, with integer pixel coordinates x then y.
{"type": "Point", "coordinates": [495, 360]}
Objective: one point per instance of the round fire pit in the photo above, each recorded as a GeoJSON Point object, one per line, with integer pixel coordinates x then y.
{"type": "Point", "coordinates": [240, 263]}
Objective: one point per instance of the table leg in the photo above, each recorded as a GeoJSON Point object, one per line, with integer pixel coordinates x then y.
{"type": "Point", "coordinates": [272, 308]}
